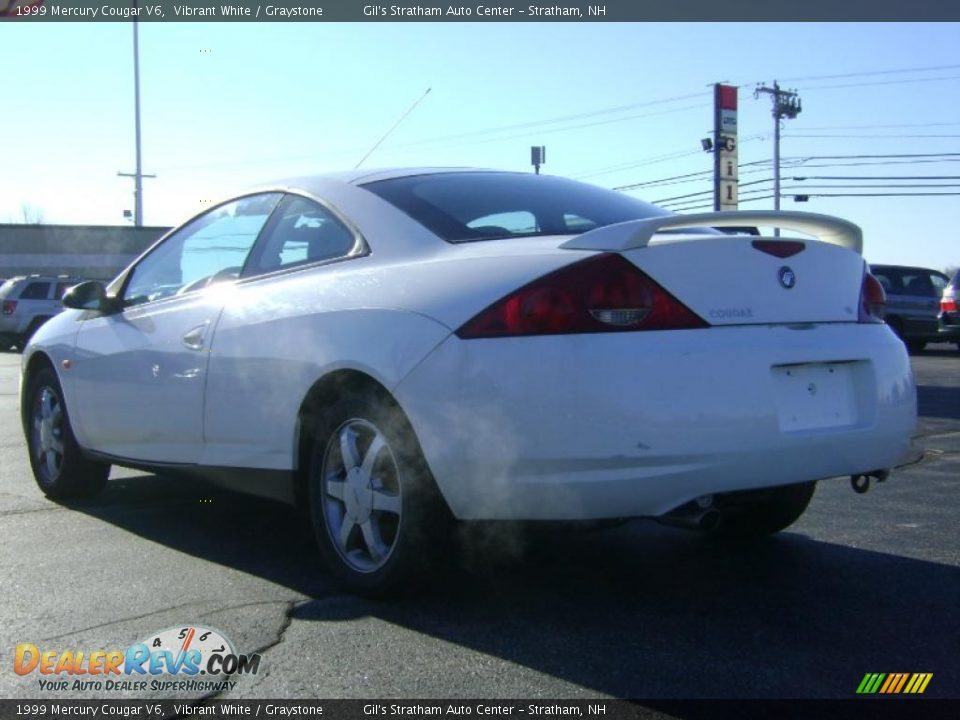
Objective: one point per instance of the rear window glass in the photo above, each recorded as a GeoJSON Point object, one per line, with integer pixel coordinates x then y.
{"type": "Point", "coordinates": [461, 207]}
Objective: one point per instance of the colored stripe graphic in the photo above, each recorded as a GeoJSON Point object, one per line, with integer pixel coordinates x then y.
{"type": "Point", "coordinates": [894, 683]}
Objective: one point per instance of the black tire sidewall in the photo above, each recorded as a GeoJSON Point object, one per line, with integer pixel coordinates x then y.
{"type": "Point", "coordinates": [79, 477]}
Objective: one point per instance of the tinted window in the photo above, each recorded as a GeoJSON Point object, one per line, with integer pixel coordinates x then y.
{"type": "Point", "coordinates": [212, 248]}
{"type": "Point", "coordinates": [301, 231]}
{"type": "Point", "coordinates": [917, 282]}
{"type": "Point", "coordinates": [36, 291]}
{"type": "Point", "coordinates": [468, 206]}
{"type": "Point", "coordinates": [889, 278]}
{"type": "Point", "coordinates": [62, 288]}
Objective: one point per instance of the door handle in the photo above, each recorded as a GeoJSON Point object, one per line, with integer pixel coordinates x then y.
{"type": "Point", "coordinates": [195, 337]}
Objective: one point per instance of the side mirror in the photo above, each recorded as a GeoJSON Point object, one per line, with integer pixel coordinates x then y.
{"type": "Point", "coordinates": [89, 295]}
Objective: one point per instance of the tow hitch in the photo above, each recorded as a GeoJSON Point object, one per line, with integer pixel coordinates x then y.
{"type": "Point", "coordinates": [861, 483]}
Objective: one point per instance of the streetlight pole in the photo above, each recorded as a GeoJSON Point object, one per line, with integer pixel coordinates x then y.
{"type": "Point", "coordinates": [137, 175]}
{"type": "Point", "coordinates": [138, 178]}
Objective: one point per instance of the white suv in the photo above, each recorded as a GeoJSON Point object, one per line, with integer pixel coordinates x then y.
{"type": "Point", "coordinates": [26, 303]}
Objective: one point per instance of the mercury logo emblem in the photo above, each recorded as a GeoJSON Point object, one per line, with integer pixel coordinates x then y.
{"type": "Point", "coordinates": [787, 277]}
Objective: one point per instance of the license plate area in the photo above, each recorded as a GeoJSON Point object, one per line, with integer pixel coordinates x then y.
{"type": "Point", "coordinates": [816, 396]}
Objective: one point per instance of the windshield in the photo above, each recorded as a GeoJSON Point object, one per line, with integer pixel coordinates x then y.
{"type": "Point", "coordinates": [468, 206]}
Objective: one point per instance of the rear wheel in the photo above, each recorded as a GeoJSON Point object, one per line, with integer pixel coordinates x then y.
{"type": "Point", "coordinates": [776, 509]}
{"type": "Point", "coordinates": [59, 467]}
{"type": "Point", "coordinates": [377, 515]}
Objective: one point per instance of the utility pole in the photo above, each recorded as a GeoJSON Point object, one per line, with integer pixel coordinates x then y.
{"type": "Point", "coordinates": [138, 175]}
{"type": "Point", "coordinates": [786, 104]}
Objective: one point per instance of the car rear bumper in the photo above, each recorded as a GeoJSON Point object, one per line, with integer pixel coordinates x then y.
{"type": "Point", "coordinates": [949, 327]}
{"type": "Point", "coordinates": [633, 424]}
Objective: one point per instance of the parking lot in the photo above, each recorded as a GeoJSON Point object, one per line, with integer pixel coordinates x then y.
{"type": "Point", "coordinates": [861, 584]}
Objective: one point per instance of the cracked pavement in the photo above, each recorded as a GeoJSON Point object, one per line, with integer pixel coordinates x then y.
{"type": "Point", "coordinates": [858, 584]}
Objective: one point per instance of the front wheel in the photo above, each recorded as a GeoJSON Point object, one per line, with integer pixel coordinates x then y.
{"type": "Point", "coordinates": [378, 518]}
{"type": "Point", "coordinates": [59, 467]}
{"type": "Point", "coordinates": [776, 509]}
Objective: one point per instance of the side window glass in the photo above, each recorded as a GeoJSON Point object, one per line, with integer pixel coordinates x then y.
{"type": "Point", "coordinates": [62, 288]}
{"type": "Point", "coordinates": [301, 232]}
{"type": "Point", "coordinates": [36, 291]}
{"type": "Point", "coordinates": [211, 249]}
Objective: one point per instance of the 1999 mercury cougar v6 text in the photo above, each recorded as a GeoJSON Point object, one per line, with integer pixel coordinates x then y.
{"type": "Point", "coordinates": [395, 350]}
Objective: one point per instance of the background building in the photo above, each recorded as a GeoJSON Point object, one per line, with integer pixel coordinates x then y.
{"type": "Point", "coordinates": [96, 252]}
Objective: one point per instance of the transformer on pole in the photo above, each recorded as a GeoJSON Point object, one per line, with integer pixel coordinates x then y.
{"type": "Point", "coordinates": [786, 105]}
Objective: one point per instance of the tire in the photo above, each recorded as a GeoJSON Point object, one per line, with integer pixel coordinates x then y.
{"type": "Point", "coordinates": [916, 346]}
{"type": "Point", "coordinates": [59, 467]}
{"type": "Point", "coordinates": [379, 519]}
{"type": "Point", "coordinates": [776, 509]}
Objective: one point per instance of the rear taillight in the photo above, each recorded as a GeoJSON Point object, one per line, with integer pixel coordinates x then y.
{"type": "Point", "coordinates": [948, 303]}
{"type": "Point", "coordinates": [605, 293]}
{"type": "Point", "coordinates": [9, 306]}
{"type": "Point", "coordinates": [873, 300]}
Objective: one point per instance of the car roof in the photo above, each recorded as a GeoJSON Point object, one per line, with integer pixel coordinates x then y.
{"type": "Point", "coordinates": [359, 177]}
{"type": "Point", "coordinates": [904, 267]}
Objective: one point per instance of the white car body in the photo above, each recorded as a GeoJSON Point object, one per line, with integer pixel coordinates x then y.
{"type": "Point", "coordinates": [784, 385]}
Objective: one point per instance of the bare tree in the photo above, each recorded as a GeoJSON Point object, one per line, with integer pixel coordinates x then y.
{"type": "Point", "coordinates": [32, 215]}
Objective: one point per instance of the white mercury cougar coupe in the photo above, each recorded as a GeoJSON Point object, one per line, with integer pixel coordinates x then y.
{"type": "Point", "coordinates": [395, 350]}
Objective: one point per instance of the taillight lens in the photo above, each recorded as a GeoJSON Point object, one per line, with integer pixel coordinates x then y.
{"type": "Point", "coordinates": [948, 303]}
{"type": "Point", "coordinates": [873, 300]}
{"type": "Point", "coordinates": [779, 248]}
{"type": "Point", "coordinates": [604, 293]}
{"type": "Point", "coordinates": [9, 306]}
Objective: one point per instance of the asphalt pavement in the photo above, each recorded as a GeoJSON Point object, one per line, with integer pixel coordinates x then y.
{"type": "Point", "coordinates": [860, 584]}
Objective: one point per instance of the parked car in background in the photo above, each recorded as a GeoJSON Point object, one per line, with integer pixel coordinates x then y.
{"type": "Point", "coordinates": [949, 317]}
{"type": "Point", "coordinates": [913, 302]}
{"type": "Point", "coordinates": [27, 302]}
{"type": "Point", "coordinates": [393, 350]}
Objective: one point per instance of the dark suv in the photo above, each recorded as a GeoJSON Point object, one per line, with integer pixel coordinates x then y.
{"type": "Point", "coordinates": [913, 302]}
{"type": "Point", "coordinates": [950, 311]}
{"type": "Point", "coordinates": [26, 303]}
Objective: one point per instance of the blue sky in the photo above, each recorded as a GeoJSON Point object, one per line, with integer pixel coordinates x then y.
{"type": "Point", "coordinates": [227, 105]}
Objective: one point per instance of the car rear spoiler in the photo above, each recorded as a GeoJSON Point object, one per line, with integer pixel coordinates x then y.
{"type": "Point", "coordinates": [638, 233]}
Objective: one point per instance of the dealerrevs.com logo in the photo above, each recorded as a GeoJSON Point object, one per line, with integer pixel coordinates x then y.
{"type": "Point", "coordinates": [188, 659]}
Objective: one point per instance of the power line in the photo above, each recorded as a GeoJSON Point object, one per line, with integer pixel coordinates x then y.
{"type": "Point", "coordinates": [880, 82]}
{"type": "Point", "coordinates": [925, 194]}
{"type": "Point", "coordinates": [879, 127]}
{"type": "Point", "coordinates": [879, 177]}
{"type": "Point", "coordinates": [799, 134]}
{"type": "Point", "coordinates": [562, 118]}
{"type": "Point", "coordinates": [708, 192]}
{"type": "Point", "coordinates": [873, 72]}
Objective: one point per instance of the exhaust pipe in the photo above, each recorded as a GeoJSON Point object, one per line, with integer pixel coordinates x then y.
{"type": "Point", "coordinates": [704, 520]}
{"type": "Point", "coordinates": [861, 483]}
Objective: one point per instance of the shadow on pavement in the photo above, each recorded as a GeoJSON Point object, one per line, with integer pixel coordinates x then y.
{"type": "Point", "coordinates": [636, 611]}
{"type": "Point", "coordinates": [938, 401]}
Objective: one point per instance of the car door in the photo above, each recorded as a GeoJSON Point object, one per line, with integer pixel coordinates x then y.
{"type": "Point", "coordinates": [140, 373]}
